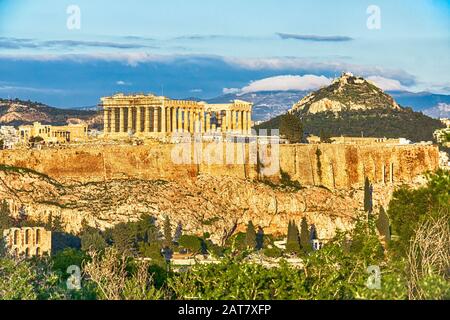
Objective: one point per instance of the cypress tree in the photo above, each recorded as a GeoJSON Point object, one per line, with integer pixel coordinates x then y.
{"type": "Point", "coordinates": [313, 233]}
{"type": "Point", "coordinates": [168, 240]}
{"type": "Point", "coordinates": [178, 232]}
{"type": "Point", "coordinates": [6, 221]}
{"type": "Point", "coordinates": [293, 241]}
{"type": "Point", "coordinates": [250, 236]}
{"type": "Point", "coordinates": [383, 225]}
{"type": "Point", "coordinates": [304, 236]}
{"type": "Point", "coordinates": [260, 239]}
{"type": "Point", "coordinates": [368, 196]}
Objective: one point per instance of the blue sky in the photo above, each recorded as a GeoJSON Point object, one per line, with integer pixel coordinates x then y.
{"type": "Point", "coordinates": [204, 48]}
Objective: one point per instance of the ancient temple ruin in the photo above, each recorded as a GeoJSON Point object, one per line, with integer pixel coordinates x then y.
{"type": "Point", "coordinates": [27, 242]}
{"type": "Point", "coordinates": [150, 115]}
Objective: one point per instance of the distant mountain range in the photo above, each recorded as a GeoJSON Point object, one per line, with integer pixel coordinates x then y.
{"type": "Point", "coordinates": [269, 104]}
{"type": "Point", "coordinates": [17, 112]}
{"type": "Point", "coordinates": [352, 106]}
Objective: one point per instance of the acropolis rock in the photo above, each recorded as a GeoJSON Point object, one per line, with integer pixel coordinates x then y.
{"type": "Point", "coordinates": [105, 185]}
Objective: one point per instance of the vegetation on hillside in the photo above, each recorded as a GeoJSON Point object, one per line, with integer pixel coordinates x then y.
{"type": "Point", "coordinates": [368, 123]}
{"type": "Point", "coordinates": [291, 128]}
{"type": "Point", "coordinates": [414, 264]}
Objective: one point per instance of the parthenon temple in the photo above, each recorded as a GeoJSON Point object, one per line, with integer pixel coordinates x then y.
{"type": "Point", "coordinates": [156, 115]}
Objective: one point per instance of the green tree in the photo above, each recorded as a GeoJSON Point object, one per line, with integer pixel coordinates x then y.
{"type": "Point", "coordinates": [168, 240]}
{"type": "Point", "coordinates": [313, 233]}
{"type": "Point", "coordinates": [273, 252]}
{"type": "Point", "coordinates": [368, 205]}
{"type": "Point", "coordinates": [250, 236]}
{"type": "Point", "coordinates": [178, 232]}
{"type": "Point", "coordinates": [66, 258]}
{"type": "Point", "coordinates": [305, 236]}
{"type": "Point", "coordinates": [237, 242]}
{"type": "Point", "coordinates": [409, 207]}
{"type": "Point", "coordinates": [6, 221]}
{"type": "Point", "coordinates": [93, 240]}
{"type": "Point", "coordinates": [191, 243]}
{"type": "Point", "coordinates": [29, 280]}
{"type": "Point", "coordinates": [293, 241]}
{"type": "Point", "coordinates": [325, 137]}
{"type": "Point", "coordinates": [383, 225]}
{"type": "Point", "coordinates": [127, 237]}
{"type": "Point", "coordinates": [153, 251]}
{"type": "Point", "coordinates": [235, 279]}
{"type": "Point", "coordinates": [291, 128]}
{"type": "Point", "coordinates": [123, 237]}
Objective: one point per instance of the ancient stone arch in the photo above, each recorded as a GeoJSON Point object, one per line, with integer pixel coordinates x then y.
{"type": "Point", "coordinates": [27, 241]}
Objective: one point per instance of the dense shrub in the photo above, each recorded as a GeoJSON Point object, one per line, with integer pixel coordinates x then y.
{"type": "Point", "coordinates": [192, 243]}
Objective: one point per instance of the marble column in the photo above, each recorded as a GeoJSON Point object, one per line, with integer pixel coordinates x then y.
{"type": "Point", "coordinates": [180, 120]}
{"type": "Point", "coordinates": [196, 121]}
{"type": "Point", "coordinates": [244, 122]}
{"type": "Point", "coordinates": [208, 122]}
{"type": "Point", "coordinates": [146, 119]}
{"type": "Point", "coordinates": [112, 123]}
{"type": "Point", "coordinates": [228, 120]}
{"type": "Point", "coordinates": [239, 121]}
{"type": "Point", "coordinates": [249, 122]}
{"type": "Point", "coordinates": [168, 120]}
{"type": "Point", "coordinates": [122, 119]}
{"type": "Point", "coordinates": [130, 119]}
{"type": "Point", "coordinates": [185, 120]}
{"type": "Point", "coordinates": [202, 121]}
{"type": "Point", "coordinates": [224, 122]}
{"type": "Point", "coordinates": [156, 119]}
{"type": "Point", "coordinates": [191, 121]}
{"type": "Point", "coordinates": [106, 124]}
{"type": "Point", "coordinates": [174, 119]}
{"type": "Point", "coordinates": [138, 120]}
{"type": "Point", "coordinates": [114, 120]}
{"type": "Point", "coordinates": [233, 120]}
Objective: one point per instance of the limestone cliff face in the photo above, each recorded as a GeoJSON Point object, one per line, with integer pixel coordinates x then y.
{"type": "Point", "coordinates": [219, 206]}
{"type": "Point", "coordinates": [111, 184]}
{"type": "Point", "coordinates": [332, 166]}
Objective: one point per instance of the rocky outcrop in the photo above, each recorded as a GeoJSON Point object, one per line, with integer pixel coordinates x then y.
{"type": "Point", "coordinates": [335, 166]}
{"type": "Point", "coordinates": [347, 93]}
{"type": "Point", "coordinates": [220, 206]}
{"type": "Point", "coordinates": [105, 185]}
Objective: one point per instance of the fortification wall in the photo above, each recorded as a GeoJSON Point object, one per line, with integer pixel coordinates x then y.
{"type": "Point", "coordinates": [333, 166]}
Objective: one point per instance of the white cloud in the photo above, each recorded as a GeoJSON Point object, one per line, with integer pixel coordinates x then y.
{"type": "Point", "coordinates": [196, 90]}
{"type": "Point", "coordinates": [386, 83]}
{"type": "Point", "coordinates": [231, 90]}
{"type": "Point", "coordinates": [7, 88]}
{"type": "Point", "coordinates": [130, 58]}
{"type": "Point", "coordinates": [287, 83]}
{"type": "Point", "coordinates": [298, 65]}
{"type": "Point", "coordinates": [445, 107]}
{"type": "Point", "coordinates": [123, 83]}
{"type": "Point", "coordinates": [307, 65]}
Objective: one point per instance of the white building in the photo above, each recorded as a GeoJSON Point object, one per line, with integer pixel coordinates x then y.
{"type": "Point", "coordinates": [10, 136]}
